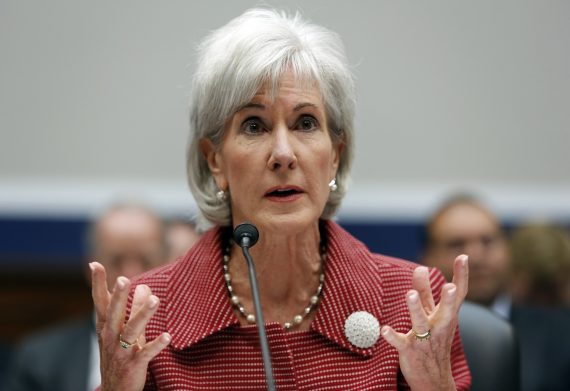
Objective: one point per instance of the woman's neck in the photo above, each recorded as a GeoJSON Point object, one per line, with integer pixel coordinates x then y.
{"type": "Point", "coordinates": [288, 270]}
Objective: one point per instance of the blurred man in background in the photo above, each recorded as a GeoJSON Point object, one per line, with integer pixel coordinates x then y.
{"type": "Point", "coordinates": [180, 237]}
{"type": "Point", "coordinates": [541, 265]}
{"type": "Point", "coordinates": [462, 225]}
{"type": "Point", "coordinates": [540, 314]}
{"type": "Point", "coordinates": [127, 239]}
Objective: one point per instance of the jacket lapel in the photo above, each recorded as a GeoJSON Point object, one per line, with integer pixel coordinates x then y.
{"type": "Point", "coordinates": [197, 302]}
{"type": "Point", "coordinates": [351, 284]}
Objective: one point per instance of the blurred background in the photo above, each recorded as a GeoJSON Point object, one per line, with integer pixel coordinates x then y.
{"type": "Point", "coordinates": [452, 96]}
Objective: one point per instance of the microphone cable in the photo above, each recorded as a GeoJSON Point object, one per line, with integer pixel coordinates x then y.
{"type": "Point", "coordinates": [246, 235]}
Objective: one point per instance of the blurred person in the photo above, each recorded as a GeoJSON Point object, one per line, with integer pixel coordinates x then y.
{"type": "Point", "coordinates": [541, 265]}
{"type": "Point", "coordinates": [463, 225]}
{"type": "Point", "coordinates": [128, 239]}
{"type": "Point", "coordinates": [5, 354]}
{"type": "Point", "coordinates": [271, 143]}
{"type": "Point", "coordinates": [544, 347]}
{"type": "Point", "coordinates": [180, 237]}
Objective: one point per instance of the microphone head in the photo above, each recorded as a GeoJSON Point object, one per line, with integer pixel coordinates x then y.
{"type": "Point", "coordinates": [246, 230]}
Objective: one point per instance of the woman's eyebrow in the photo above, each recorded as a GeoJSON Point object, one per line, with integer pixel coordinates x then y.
{"type": "Point", "coordinates": [261, 106]}
{"type": "Point", "coordinates": [301, 106]}
{"type": "Point", "coordinates": [251, 105]}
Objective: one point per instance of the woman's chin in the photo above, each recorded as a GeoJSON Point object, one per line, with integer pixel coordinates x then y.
{"type": "Point", "coordinates": [290, 223]}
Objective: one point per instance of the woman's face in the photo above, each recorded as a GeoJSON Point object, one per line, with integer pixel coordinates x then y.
{"type": "Point", "coordinates": [277, 159]}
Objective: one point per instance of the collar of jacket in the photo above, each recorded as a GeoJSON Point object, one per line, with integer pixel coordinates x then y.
{"type": "Point", "coordinates": [198, 304]}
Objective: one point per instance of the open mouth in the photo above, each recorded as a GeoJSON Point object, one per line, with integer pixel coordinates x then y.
{"type": "Point", "coordinates": [283, 193]}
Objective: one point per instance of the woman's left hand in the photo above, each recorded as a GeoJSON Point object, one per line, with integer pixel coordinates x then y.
{"type": "Point", "coordinates": [425, 350]}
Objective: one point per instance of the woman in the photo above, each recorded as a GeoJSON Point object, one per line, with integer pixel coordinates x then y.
{"type": "Point", "coordinates": [272, 122]}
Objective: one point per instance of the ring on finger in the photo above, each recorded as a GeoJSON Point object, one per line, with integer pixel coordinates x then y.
{"type": "Point", "coordinates": [125, 344]}
{"type": "Point", "coordinates": [422, 336]}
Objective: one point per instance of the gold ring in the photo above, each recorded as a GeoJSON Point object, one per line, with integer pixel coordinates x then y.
{"type": "Point", "coordinates": [125, 344]}
{"type": "Point", "coordinates": [422, 336]}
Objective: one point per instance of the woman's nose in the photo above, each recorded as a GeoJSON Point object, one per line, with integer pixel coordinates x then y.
{"type": "Point", "coordinates": [282, 151]}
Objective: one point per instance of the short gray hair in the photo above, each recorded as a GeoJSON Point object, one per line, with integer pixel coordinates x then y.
{"type": "Point", "coordinates": [234, 61]}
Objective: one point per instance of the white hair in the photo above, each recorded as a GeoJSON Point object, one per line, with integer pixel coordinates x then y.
{"type": "Point", "coordinates": [234, 61]}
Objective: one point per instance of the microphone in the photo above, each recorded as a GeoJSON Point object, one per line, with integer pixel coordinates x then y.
{"type": "Point", "coordinates": [246, 235]}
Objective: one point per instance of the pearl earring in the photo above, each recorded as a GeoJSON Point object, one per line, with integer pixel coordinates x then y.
{"type": "Point", "coordinates": [332, 185]}
{"type": "Point", "coordinates": [221, 195]}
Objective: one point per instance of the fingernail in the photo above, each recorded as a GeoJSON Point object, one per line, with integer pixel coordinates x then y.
{"type": "Point", "coordinates": [153, 302]}
{"type": "Point", "coordinates": [91, 266]}
{"type": "Point", "coordinates": [413, 296]}
{"type": "Point", "coordinates": [464, 259]}
{"type": "Point", "coordinates": [451, 290]}
{"type": "Point", "coordinates": [122, 282]}
{"type": "Point", "coordinates": [385, 330]}
{"type": "Point", "coordinates": [166, 338]}
{"type": "Point", "coordinates": [422, 270]}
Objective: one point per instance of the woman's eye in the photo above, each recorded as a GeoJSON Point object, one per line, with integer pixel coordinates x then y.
{"type": "Point", "coordinates": [252, 125]}
{"type": "Point", "coordinates": [307, 123]}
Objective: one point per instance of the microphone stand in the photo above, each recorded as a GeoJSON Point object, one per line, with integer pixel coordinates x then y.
{"type": "Point", "coordinates": [244, 244]}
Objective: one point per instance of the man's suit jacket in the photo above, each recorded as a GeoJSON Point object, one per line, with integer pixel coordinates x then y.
{"type": "Point", "coordinates": [56, 359]}
{"type": "Point", "coordinates": [544, 337]}
{"type": "Point", "coordinates": [491, 348]}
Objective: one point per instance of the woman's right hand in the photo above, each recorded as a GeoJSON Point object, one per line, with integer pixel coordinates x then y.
{"type": "Point", "coordinates": [124, 352]}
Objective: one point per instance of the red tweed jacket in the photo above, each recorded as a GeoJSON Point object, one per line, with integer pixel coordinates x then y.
{"type": "Point", "coordinates": [210, 350]}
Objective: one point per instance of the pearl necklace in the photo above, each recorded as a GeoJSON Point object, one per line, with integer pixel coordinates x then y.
{"type": "Point", "coordinates": [297, 319]}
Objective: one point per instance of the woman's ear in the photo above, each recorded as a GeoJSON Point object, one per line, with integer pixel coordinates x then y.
{"type": "Point", "coordinates": [214, 159]}
{"type": "Point", "coordinates": [337, 150]}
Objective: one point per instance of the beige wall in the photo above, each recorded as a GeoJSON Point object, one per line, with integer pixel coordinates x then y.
{"type": "Point", "coordinates": [451, 93]}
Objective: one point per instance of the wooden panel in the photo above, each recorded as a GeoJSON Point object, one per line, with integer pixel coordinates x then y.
{"type": "Point", "coordinates": [33, 299]}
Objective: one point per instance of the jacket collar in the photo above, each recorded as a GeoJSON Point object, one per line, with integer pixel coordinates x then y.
{"type": "Point", "coordinates": [197, 302]}
{"type": "Point", "coordinates": [198, 305]}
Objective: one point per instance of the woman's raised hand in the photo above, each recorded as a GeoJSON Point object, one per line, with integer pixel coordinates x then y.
{"type": "Point", "coordinates": [425, 350]}
{"type": "Point", "coordinates": [124, 352]}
